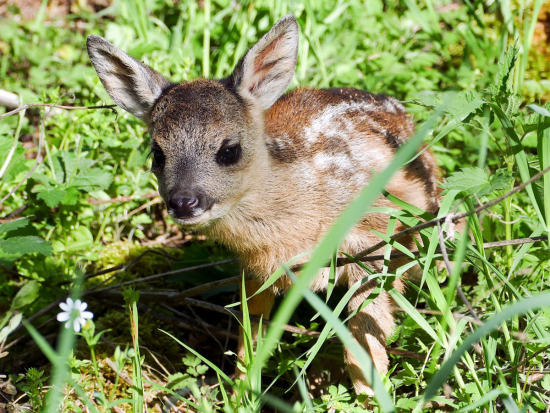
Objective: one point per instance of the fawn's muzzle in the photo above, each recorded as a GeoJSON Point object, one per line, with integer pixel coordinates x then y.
{"type": "Point", "coordinates": [186, 205]}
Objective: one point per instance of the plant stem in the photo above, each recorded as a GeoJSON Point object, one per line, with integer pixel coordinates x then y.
{"type": "Point", "coordinates": [96, 369]}
{"type": "Point", "coordinates": [206, 41]}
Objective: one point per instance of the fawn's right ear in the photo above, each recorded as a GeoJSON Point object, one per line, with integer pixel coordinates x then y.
{"type": "Point", "coordinates": [132, 85]}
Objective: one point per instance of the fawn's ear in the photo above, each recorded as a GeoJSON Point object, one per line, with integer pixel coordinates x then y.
{"type": "Point", "coordinates": [264, 73]}
{"type": "Point", "coordinates": [132, 85]}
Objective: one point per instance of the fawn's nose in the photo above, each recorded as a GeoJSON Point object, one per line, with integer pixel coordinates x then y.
{"type": "Point", "coordinates": [185, 205]}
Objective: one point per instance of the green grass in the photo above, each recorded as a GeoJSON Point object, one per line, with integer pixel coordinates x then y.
{"type": "Point", "coordinates": [472, 74]}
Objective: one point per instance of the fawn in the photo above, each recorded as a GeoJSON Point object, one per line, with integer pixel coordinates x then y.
{"type": "Point", "coordinates": [267, 174]}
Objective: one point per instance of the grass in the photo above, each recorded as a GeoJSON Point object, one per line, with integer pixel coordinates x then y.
{"type": "Point", "coordinates": [473, 75]}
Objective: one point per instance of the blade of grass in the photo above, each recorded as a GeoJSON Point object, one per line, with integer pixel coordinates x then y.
{"type": "Point", "coordinates": [520, 307]}
{"type": "Point", "coordinates": [521, 160]}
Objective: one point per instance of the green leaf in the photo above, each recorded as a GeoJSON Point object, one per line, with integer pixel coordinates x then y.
{"type": "Point", "coordinates": [179, 381]}
{"type": "Point", "coordinates": [80, 239]}
{"type": "Point", "coordinates": [71, 197]}
{"type": "Point", "coordinates": [477, 181]}
{"type": "Point", "coordinates": [25, 245]}
{"type": "Point", "coordinates": [504, 80]}
{"type": "Point", "coordinates": [457, 105]}
{"type": "Point", "coordinates": [69, 164]}
{"type": "Point", "coordinates": [26, 295]}
{"type": "Point", "coordinates": [13, 324]}
{"type": "Point", "coordinates": [92, 179]}
{"type": "Point", "coordinates": [52, 197]}
{"type": "Point", "coordinates": [501, 180]}
{"type": "Point", "coordinates": [13, 225]}
{"type": "Point", "coordinates": [468, 180]}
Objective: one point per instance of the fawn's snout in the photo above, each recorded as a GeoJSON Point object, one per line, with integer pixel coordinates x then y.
{"type": "Point", "coordinates": [186, 205]}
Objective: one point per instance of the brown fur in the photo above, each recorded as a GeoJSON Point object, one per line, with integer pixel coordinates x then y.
{"type": "Point", "coordinates": [303, 158]}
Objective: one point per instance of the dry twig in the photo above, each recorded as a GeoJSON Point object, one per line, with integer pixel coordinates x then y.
{"type": "Point", "coordinates": [449, 271]}
{"type": "Point", "coordinates": [157, 276]}
{"type": "Point", "coordinates": [52, 106]}
{"type": "Point", "coordinates": [148, 195]}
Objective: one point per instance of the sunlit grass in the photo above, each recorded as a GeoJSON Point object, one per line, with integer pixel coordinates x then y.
{"type": "Point", "coordinates": [411, 50]}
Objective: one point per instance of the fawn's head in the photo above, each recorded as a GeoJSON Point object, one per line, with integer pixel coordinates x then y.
{"type": "Point", "coordinates": [206, 135]}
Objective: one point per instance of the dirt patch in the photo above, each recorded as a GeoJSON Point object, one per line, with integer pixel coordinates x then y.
{"type": "Point", "coordinates": [28, 9]}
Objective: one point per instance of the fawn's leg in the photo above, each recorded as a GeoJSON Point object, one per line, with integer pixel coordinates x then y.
{"type": "Point", "coordinates": [260, 306]}
{"type": "Point", "coordinates": [370, 327]}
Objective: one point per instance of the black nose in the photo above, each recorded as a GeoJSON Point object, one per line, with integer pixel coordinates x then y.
{"type": "Point", "coordinates": [184, 205]}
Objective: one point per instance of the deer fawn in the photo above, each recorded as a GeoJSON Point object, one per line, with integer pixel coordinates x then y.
{"type": "Point", "coordinates": [267, 174]}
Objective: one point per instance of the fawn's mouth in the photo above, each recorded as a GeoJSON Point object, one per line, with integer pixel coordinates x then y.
{"type": "Point", "coordinates": [191, 222]}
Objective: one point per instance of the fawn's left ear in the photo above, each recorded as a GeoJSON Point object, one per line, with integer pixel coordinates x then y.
{"type": "Point", "coordinates": [266, 70]}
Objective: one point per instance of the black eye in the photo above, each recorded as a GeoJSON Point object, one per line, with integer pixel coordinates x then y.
{"type": "Point", "coordinates": [158, 158]}
{"type": "Point", "coordinates": [229, 155]}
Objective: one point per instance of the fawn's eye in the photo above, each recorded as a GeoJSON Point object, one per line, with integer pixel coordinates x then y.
{"type": "Point", "coordinates": [229, 155]}
{"type": "Point", "coordinates": [158, 158]}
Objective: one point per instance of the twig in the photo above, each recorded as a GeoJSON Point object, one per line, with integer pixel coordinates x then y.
{"type": "Point", "coordinates": [164, 239]}
{"type": "Point", "coordinates": [123, 267]}
{"type": "Point", "coordinates": [486, 245]}
{"type": "Point", "coordinates": [174, 297]}
{"type": "Point", "coordinates": [535, 388]}
{"type": "Point", "coordinates": [122, 374]}
{"type": "Point", "coordinates": [17, 340]}
{"type": "Point", "coordinates": [127, 267]}
{"type": "Point", "coordinates": [286, 327]}
{"type": "Point", "coordinates": [32, 318]}
{"type": "Point", "coordinates": [170, 404]}
{"type": "Point", "coordinates": [532, 356]}
{"type": "Point", "coordinates": [148, 195]}
{"type": "Point", "coordinates": [235, 280]}
{"type": "Point", "coordinates": [25, 277]}
{"type": "Point", "coordinates": [449, 271]}
{"type": "Point", "coordinates": [180, 323]}
{"type": "Point", "coordinates": [434, 222]}
{"type": "Point", "coordinates": [14, 214]}
{"type": "Point", "coordinates": [164, 274]}
{"type": "Point", "coordinates": [49, 105]}
{"type": "Point", "coordinates": [124, 217]}
{"type": "Point", "coordinates": [456, 314]}
{"type": "Point", "coordinates": [209, 287]}
{"type": "Point", "coordinates": [40, 313]}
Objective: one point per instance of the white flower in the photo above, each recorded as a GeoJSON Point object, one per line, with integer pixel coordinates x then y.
{"type": "Point", "coordinates": [75, 312]}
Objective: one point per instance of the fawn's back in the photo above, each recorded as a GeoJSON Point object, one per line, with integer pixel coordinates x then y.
{"type": "Point", "coordinates": [322, 148]}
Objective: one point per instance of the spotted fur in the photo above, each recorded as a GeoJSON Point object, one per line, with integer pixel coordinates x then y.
{"type": "Point", "coordinates": [303, 156]}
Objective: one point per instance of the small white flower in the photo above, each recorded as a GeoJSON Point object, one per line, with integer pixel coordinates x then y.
{"type": "Point", "coordinates": [75, 312]}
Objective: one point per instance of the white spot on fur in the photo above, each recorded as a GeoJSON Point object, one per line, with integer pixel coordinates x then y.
{"type": "Point", "coordinates": [327, 161]}
{"type": "Point", "coordinates": [329, 121]}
